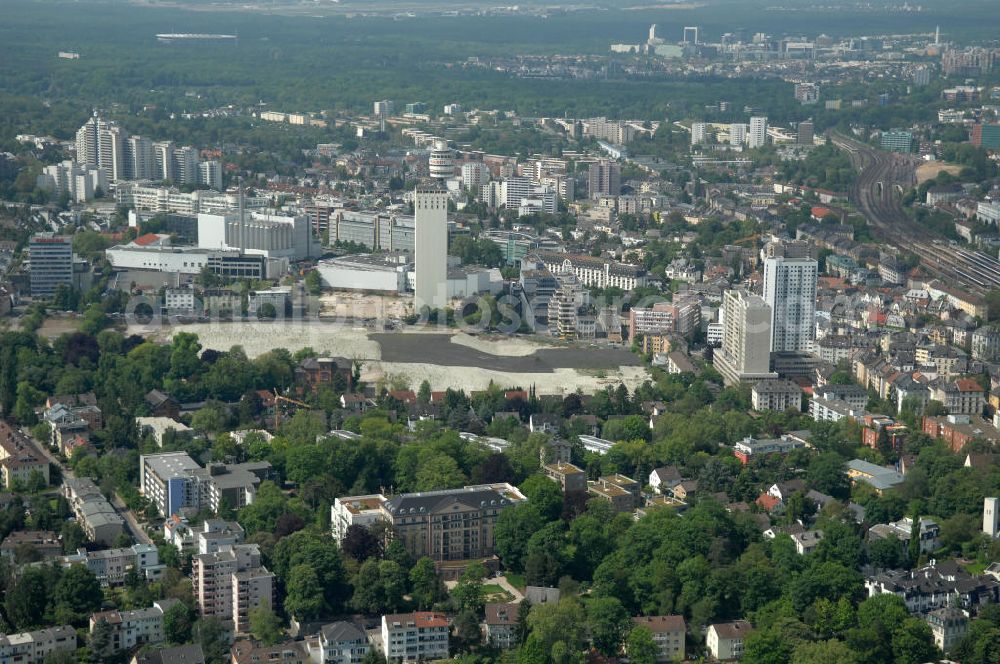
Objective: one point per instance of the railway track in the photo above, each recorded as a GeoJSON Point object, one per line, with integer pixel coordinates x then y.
{"type": "Point", "coordinates": [877, 194]}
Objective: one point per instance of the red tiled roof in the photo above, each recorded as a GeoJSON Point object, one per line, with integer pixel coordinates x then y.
{"type": "Point", "coordinates": [148, 238]}
{"type": "Point", "coordinates": [767, 501]}
{"type": "Point", "coordinates": [968, 385]}
{"type": "Point", "coordinates": [419, 619]}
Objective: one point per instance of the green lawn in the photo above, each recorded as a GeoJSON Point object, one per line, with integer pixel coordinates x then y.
{"type": "Point", "coordinates": [516, 580]}
{"type": "Point", "coordinates": [495, 593]}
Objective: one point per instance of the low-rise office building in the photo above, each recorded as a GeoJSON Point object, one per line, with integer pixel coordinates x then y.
{"type": "Point", "coordinates": [750, 448]}
{"type": "Point", "coordinates": [464, 517]}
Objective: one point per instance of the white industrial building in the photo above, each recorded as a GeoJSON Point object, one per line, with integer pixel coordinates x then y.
{"type": "Point", "coordinates": [261, 234]}
{"type": "Point", "coordinates": [162, 257]}
{"type": "Point", "coordinates": [366, 272]}
{"type": "Point", "coordinates": [466, 281]}
{"type": "Point", "coordinates": [394, 273]}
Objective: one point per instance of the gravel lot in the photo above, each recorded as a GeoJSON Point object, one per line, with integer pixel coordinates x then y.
{"type": "Point", "coordinates": [444, 359]}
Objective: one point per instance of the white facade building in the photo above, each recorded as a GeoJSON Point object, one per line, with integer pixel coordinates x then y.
{"type": "Point", "coordinates": [80, 182]}
{"type": "Point", "coordinates": [991, 517]}
{"type": "Point", "coordinates": [475, 175]}
{"type": "Point", "coordinates": [513, 190]}
{"type": "Point", "coordinates": [415, 637]}
{"type": "Point", "coordinates": [231, 582]}
{"type": "Point", "coordinates": [210, 174]}
{"type": "Point", "coordinates": [725, 641]}
{"type": "Point", "coordinates": [737, 133]}
{"type": "Point", "coordinates": [790, 291]}
{"type": "Point", "coordinates": [363, 511]}
{"type": "Point", "coordinates": [431, 248]}
{"type": "Point", "coordinates": [757, 136]}
{"type": "Point", "coordinates": [258, 234]}
{"type": "Point", "coordinates": [699, 133]}
{"type": "Point", "coordinates": [33, 647]}
{"type": "Point", "coordinates": [134, 628]}
{"type": "Point", "coordinates": [366, 272]}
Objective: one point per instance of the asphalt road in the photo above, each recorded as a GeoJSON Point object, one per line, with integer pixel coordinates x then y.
{"type": "Point", "coordinates": [131, 523]}
{"type": "Point", "coordinates": [438, 349]}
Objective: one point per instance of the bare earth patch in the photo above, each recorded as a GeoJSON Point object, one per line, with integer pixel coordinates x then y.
{"type": "Point", "coordinates": [929, 170]}
{"type": "Point", "coordinates": [355, 343]}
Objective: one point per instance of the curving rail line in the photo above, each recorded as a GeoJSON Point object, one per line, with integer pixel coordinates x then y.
{"type": "Point", "coordinates": [875, 193]}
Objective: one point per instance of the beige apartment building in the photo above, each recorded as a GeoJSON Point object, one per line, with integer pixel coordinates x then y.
{"type": "Point", "coordinates": [446, 525]}
{"type": "Point", "coordinates": [231, 582]}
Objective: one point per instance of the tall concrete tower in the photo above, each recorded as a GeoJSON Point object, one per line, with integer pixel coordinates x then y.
{"type": "Point", "coordinates": [745, 355]}
{"type": "Point", "coordinates": [430, 248]}
{"type": "Point", "coordinates": [758, 132]}
{"type": "Point", "coordinates": [991, 517]}
{"type": "Point", "coordinates": [790, 290]}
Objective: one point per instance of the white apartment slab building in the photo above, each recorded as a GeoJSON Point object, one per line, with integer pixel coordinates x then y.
{"type": "Point", "coordinates": [415, 637]}
{"type": "Point", "coordinates": [790, 291]}
{"type": "Point", "coordinates": [591, 271]}
{"type": "Point", "coordinates": [80, 182]}
{"type": "Point", "coordinates": [231, 582]}
{"type": "Point", "coordinates": [363, 511]}
{"type": "Point", "coordinates": [173, 481]}
{"type": "Point", "coordinates": [757, 136]}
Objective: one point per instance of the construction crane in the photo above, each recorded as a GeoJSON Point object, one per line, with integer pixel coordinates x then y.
{"type": "Point", "coordinates": [749, 238]}
{"type": "Point", "coordinates": [278, 399]}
